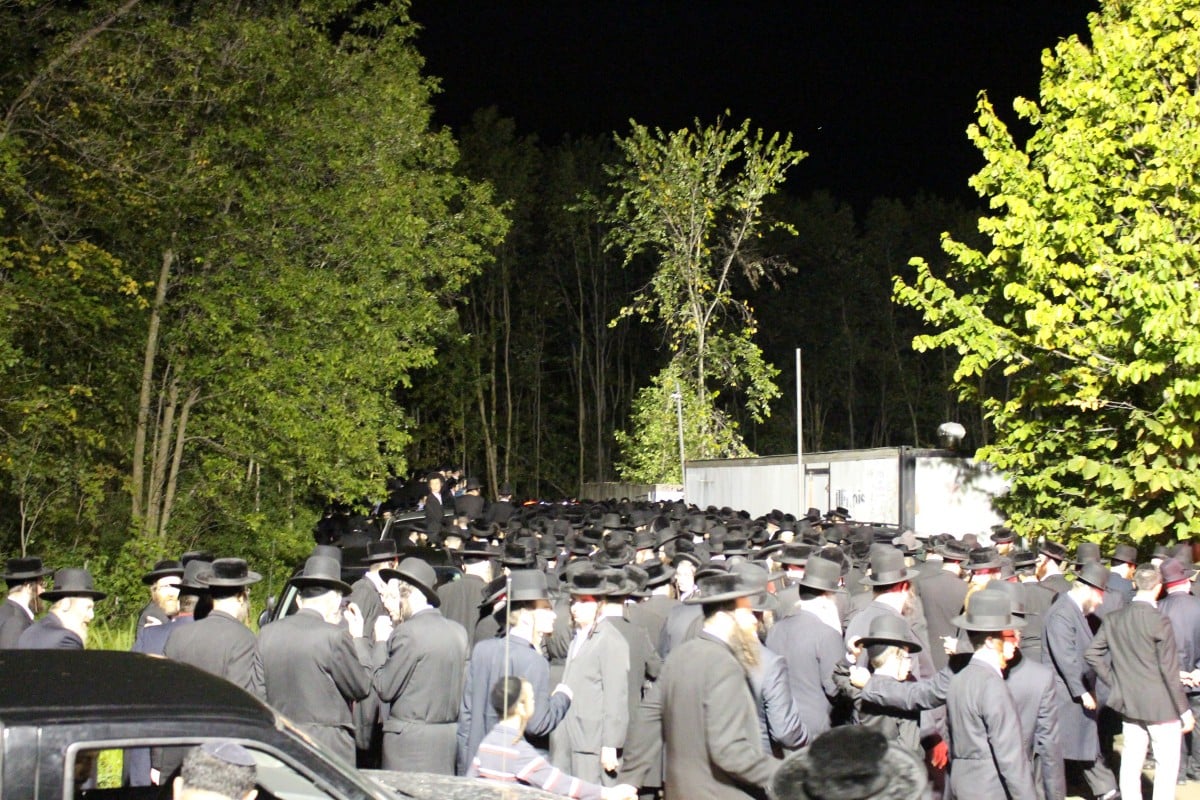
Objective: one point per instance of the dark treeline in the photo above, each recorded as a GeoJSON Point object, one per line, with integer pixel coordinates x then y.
{"type": "Point", "coordinates": [536, 377]}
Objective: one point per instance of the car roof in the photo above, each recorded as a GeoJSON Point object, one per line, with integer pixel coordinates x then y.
{"type": "Point", "coordinates": [41, 684]}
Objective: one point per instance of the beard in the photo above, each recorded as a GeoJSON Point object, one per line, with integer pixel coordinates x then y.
{"type": "Point", "coordinates": [745, 644]}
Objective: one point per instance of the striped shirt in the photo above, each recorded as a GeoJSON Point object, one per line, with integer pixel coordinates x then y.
{"type": "Point", "coordinates": [504, 755]}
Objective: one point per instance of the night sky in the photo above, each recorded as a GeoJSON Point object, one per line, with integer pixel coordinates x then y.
{"type": "Point", "coordinates": [878, 93]}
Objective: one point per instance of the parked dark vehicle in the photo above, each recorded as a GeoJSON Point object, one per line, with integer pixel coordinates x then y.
{"type": "Point", "coordinates": [62, 712]}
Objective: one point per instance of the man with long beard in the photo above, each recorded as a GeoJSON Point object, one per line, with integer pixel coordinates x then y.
{"type": "Point", "coordinates": [709, 721]}
{"type": "Point", "coordinates": [26, 582]}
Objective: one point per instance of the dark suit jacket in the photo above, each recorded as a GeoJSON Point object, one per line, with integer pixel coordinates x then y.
{"type": "Point", "coordinates": [1056, 583]}
{"type": "Point", "coordinates": [811, 649]}
{"type": "Point", "coordinates": [460, 601]}
{"type": "Point", "coordinates": [683, 623]}
{"type": "Point", "coordinates": [364, 595]}
{"type": "Point", "coordinates": [1122, 586]}
{"type": "Point", "coordinates": [942, 595]}
{"type": "Point", "coordinates": [1183, 611]}
{"type": "Point", "coordinates": [221, 645]}
{"type": "Point", "coordinates": [48, 633]}
{"type": "Point", "coordinates": [1038, 600]}
{"type": "Point", "coordinates": [421, 668]}
{"type": "Point", "coordinates": [476, 716]}
{"type": "Point", "coordinates": [469, 506]}
{"type": "Point", "coordinates": [433, 518]}
{"type": "Point", "coordinates": [644, 665]}
{"type": "Point", "coordinates": [709, 726]}
{"type": "Point", "coordinates": [651, 614]}
{"type": "Point", "coordinates": [14, 619]}
{"type": "Point", "coordinates": [1067, 637]}
{"type": "Point", "coordinates": [1035, 696]}
{"type": "Point", "coordinates": [987, 755]}
{"type": "Point", "coordinates": [1135, 654]}
{"type": "Point", "coordinates": [314, 670]}
{"type": "Point", "coordinates": [499, 512]}
{"type": "Point", "coordinates": [598, 674]}
{"type": "Point", "coordinates": [778, 715]}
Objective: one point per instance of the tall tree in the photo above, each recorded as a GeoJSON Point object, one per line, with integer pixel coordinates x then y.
{"type": "Point", "coordinates": [1078, 324]}
{"type": "Point", "coordinates": [692, 201]}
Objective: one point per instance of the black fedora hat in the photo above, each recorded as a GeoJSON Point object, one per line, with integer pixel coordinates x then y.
{"type": "Point", "coordinates": [588, 581]}
{"type": "Point", "coordinates": [228, 573]}
{"type": "Point", "coordinates": [1174, 571]}
{"type": "Point", "coordinates": [319, 571]}
{"type": "Point", "coordinates": [616, 550]}
{"type": "Point", "coordinates": [721, 587]}
{"type": "Point", "coordinates": [416, 572]}
{"type": "Point", "coordinates": [890, 629]}
{"type": "Point", "coordinates": [1015, 592]}
{"type": "Point", "coordinates": [1024, 559]}
{"type": "Point", "coordinates": [657, 573]}
{"type": "Point", "coordinates": [1094, 574]}
{"type": "Point", "coordinates": [472, 485]}
{"type": "Point", "coordinates": [163, 569]}
{"type": "Point", "coordinates": [518, 554]}
{"type": "Point", "coordinates": [1125, 554]}
{"type": "Point", "coordinates": [887, 568]}
{"type": "Point", "coordinates": [190, 582]}
{"type": "Point", "coordinates": [850, 762]}
{"type": "Point", "coordinates": [196, 555]}
{"type": "Point", "coordinates": [1003, 535]}
{"type": "Point", "coordinates": [953, 550]}
{"type": "Point", "coordinates": [1053, 550]}
{"type": "Point", "coordinates": [982, 558]}
{"type": "Point", "coordinates": [1086, 553]}
{"type": "Point", "coordinates": [28, 568]}
{"type": "Point", "coordinates": [528, 586]}
{"type": "Point", "coordinates": [822, 574]}
{"type": "Point", "coordinates": [988, 610]}
{"type": "Point", "coordinates": [73, 582]}
{"type": "Point", "coordinates": [383, 550]}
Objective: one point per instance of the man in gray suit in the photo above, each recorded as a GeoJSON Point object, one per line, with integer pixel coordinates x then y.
{"type": "Point", "coordinates": [1067, 637]}
{"type": "Point", "coordinates": [419, 673]}
{"type": "Point", "coordinates": [942, 595]}
{"type": "Point", "coordinates": [314, 668]}
{"type": "Point", "coordinates": [1135, 653]}
{"type": "Point", "coordinates": [26, 582]}
{"type": "Point", "coordinates": [709, 723]}
{"type": "Point", "coordinates": [587, 742]}
{"type": "Point", "coordinates": [221, 643]}
{"type": "Point", "coordinates": [988, 756]}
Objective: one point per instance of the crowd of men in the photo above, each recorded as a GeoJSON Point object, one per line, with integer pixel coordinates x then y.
{"type": "Point", "coordinates": [616, 650]}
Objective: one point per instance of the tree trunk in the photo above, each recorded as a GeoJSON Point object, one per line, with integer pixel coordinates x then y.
{"type": "Point", "coordinates": [158, 466]}
{"type": "Point", "coordinates": [138, 487]}
{"type": "Point", "coordinates": [168, 501]}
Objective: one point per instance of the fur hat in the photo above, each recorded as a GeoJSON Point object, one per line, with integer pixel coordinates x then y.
{"type": "Point", "coordinates": [851, 762]}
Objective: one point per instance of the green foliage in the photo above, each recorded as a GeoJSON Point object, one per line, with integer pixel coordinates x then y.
{"type": "Point", "coordinates": [692, 200]}
{"type": "Point", "coordinates": [281, 159]}
{"type": "Point", "coordinates": [1077, 328]}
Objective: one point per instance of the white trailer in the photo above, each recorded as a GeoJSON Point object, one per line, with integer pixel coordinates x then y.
{"type": "Point", "coordinates": [927, 491]}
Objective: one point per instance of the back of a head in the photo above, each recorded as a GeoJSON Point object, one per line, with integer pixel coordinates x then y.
{"type": "Point", "coordinates": [506, 693]}
{"type": "Point", "coordinates": [1146, 577]}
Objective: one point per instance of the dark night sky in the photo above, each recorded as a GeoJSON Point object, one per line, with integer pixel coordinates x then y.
{"type": "Point", "coordinates": [879, 93]}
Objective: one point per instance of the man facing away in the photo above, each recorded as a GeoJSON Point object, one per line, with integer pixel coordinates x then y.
{"type": "Point", "coordinates": [1135, 653]}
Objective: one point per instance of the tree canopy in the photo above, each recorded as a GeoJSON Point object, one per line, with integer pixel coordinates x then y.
{"type": "Point", "coordinates": [1077, 324]}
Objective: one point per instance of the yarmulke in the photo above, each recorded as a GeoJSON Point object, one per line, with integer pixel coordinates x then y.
{"type": "Point", "coordinates": [229, 752]}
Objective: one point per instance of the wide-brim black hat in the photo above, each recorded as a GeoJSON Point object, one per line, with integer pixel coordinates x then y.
{"type": "Point", "coordinates": [163, 569]}
{"type": "Point", "coordinates": [1053, 550]}
{"type": "Point", "coordinates": [73, 582]}
{"type": "Point", "coordinates": [1094, 574]}
{"type": "Point", "coordinates": [190, 582]}
{"type": "Point", "coordinates": [416, 572]}
{"type": "Point", "coordinates": [851, 761]}
{"type": "Point", "coordinates": [319, 571]}
{"type": "Point", "coordinates": [887, 568]}
{"type": "Point", "coordinates": [988, 610]}
{"type": "Point", "coordinates": [658, 573]}
{"type": "Point", "coordinates": [982, 558]}
{"type": "Point", "coordinates": [527, 586]}
{"type": "Point", "coordinates": [590, 582]}
{"type": "Point", "coordinates": [822, 574]}
{"type": "Point", "coordinates": [383, 550]}
{"type": "Point", "coordinates": [28, 568]}
{"type": "Point", "coordinates": [228, 573]}
{"type": "Point", "coordinates": [722, 587]}
{"type": "Point", "coordinates": [889, 629]}
{"type": "Point", "coordinates": [1125, 554]}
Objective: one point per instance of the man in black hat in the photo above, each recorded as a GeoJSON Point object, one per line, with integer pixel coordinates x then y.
{"type": "Point", "coordinates": [710, 727]}
{"type": "Point", "coordinates": [1067, 636]}
{"type": "Point", "coordinates": [65, 627]}
{"type": "Point", "coordinates": [315, 668]}
{"type": "Point", "coordinates": [1182, 609]}
{"type": "Point", "coordinates": [460, 598]}
{"type": "Point", "coordinates": [987, 752]}
{"type": "Point", "coordinates": [419, 674]}
{"type": "Point", "coordinates": [530, 619]}
{"type": "Point", "coordinates": [163, 581]}
{"type": "Point", "coordinates": [469, 504]}
{"type": "Point", "coordinates": [1124, 562]}
{"type": "Point", "coordinates": [26, 582]}
{"type": "Point", "coordinates": [810, 641]}
{"type": "Point", "coordinates": [887, 651]}
{"type": "Point", "coordinates": [588, 742]}
{"type": "Point", "coordinates": [1038, 599]}
{"type": "Point", "coordinates": [501, 511]}
{"type": "Point", "coordinates": [1135, 653]}
{"type": "Point", "coordinates": [942, 596]}
{"type": "Point", "coordinates": [1051, 556]}
{"type": "Point", "coordinates": [221, 643]}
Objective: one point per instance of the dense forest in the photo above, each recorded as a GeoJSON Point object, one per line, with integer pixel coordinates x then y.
{"type": "Point", "coordinates": [243, 273]}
